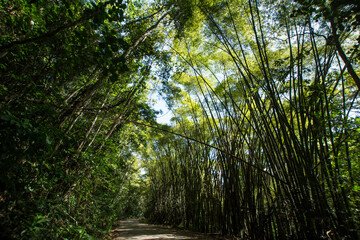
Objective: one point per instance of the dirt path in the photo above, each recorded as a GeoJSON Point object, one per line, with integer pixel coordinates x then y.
{"type": "Point", "coordinates": [133, 229]}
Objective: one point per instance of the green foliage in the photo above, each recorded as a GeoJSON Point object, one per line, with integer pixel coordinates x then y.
{"type": "Point", "coordinates": [265, 139]}
{"type": "Point", "coordinates": [266, 124]}
{"type": "Point", "coordinates": [70, 80]}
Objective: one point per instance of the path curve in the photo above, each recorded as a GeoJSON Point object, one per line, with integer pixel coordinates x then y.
{"type": "Point", "coordinates": [132, 229]}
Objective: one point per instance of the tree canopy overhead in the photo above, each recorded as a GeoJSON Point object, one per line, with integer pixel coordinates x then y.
{"type": "Point", "coordinates": [264, 142]}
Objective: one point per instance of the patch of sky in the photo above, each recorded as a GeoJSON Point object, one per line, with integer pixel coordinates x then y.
{"type": "Point", "coordinates": [158, 103]}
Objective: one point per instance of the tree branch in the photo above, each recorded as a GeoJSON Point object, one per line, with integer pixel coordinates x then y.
{"type": "Point", "coordinates": [343, 55]}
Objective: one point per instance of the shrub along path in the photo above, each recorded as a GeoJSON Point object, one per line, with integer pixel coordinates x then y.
{"type": "Point", "coordinates": [133, 229]}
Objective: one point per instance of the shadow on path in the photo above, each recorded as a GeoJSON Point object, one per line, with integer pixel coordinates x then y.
{"type": "Point", "coordinates": [132, 229]}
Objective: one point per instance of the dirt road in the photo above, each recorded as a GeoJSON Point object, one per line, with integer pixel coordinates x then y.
{"type": "Point", "coordinates": [133, 229]}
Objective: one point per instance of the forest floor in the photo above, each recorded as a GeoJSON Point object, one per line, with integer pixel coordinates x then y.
{"type": "Point", "coordinates": [133, 229]}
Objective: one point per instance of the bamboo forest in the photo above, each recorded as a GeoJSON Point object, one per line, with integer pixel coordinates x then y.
{"type": "Point", "coordinates": [239, 118]}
